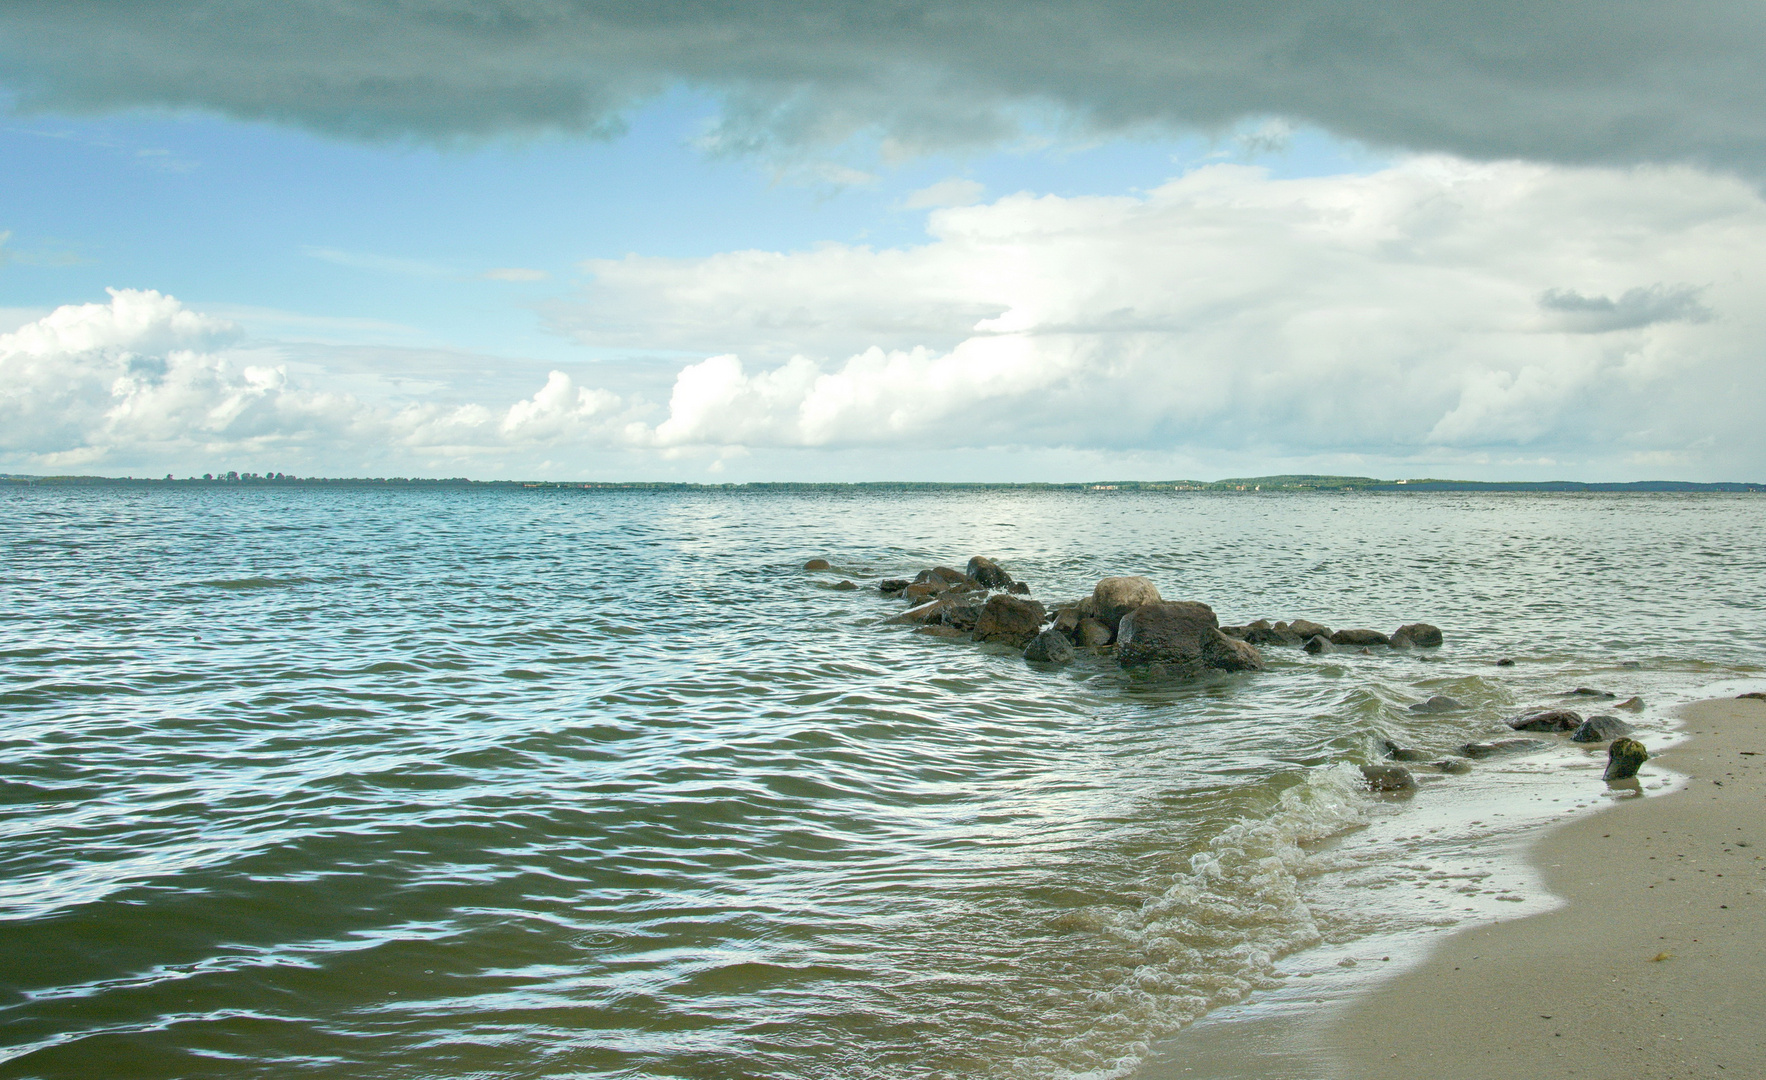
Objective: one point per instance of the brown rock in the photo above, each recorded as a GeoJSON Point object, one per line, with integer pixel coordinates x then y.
{"type": "Point", "coordinates": [1115, 597]}
{"type": "Point", "coordinates": [1419, 634]}
{"type": "Point", "coordinates": [925, 590]}
{"type": "Point", "coordinates": [1388, 778]}
{"type": "Point", "coordinates": [1360, 637]}
{"type": "Point", "coordinates": [1547, 720]}
{"type": "Point", "coordinates": [988, 573]}
{"type": "Point", "coordinates": [818, 564]}
{"type": "Point", "coordinates": [1091, 633]}
{"type": "Point", "coordinates": [1305, 628]}
{"type": "Point", "coordinates": [892, 586]}
{"type": "Point", "coordinates": [1181, 635]}
{"type": "Point", "coordinates": [1009, 620]}
{"type": "Point", "coordinates": [1318, 645]}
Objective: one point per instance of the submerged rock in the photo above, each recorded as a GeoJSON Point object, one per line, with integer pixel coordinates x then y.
{"type": "Point", "coordinates": [1501, 746]}
{"type": "Point", "coordinates": [1359, 637]}
{"type": "Point", "coordinates": [1634, 704]}
{"type": "Point", "coordinates": [1049, 647]}
{"type": "Point", "coordinates": [1600, 729]}
{"type": "Point", "coordinates": [1318, 645]}
{"type": "Point", "coordinates": [1548, 720]}
{"type": "Point", "coordinates": [1440, 703]}
{"type": "Point", "coordinates": [1182, 635]}
{"type": "Point", "coordinates": [845, 586]}
{"type": "Point", "coordinates": [1624, 758]}
{"type": "Point", "coordinates": [1583, 691]}
{"type": "Point", "coordinates": [1505, 662]}
{"type": "Point", "coordinates": [1388, 778]}
{"type": "Point", "coordinates": [1405, 753]}
{"type": "Point", "coordinates": [1009, 620]}
{"type": "Point", "coordinates": [1418, 634]}
{"type": "Point", "coordinates": [1115, 597]}
{"type": "Point", "coordinates": [818, 564]}
{"type": "Point", "coordinates": [988, 573]}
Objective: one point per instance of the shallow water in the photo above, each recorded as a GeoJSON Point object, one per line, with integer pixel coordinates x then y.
{"type": "Point", "coordinates": [413, 784]}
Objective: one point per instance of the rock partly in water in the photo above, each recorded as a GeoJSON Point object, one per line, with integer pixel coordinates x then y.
{"type": "Point", "coordinates": [845, 586]}
{"type": "Point", "coordinates": [989, 573]}
{"type": "Point", "coordinates": [892, 586]}
{"type": "Point", "coordinates": [1049, 647]}
{"type": "Point", "coordinates": [963, 611]}
{"type": "Point", "coordinates": [1018, 588]}
{"type": "Point", "coordinates": [1360, 637]}
{"type": "Point", "coordinates": [1417, 634]}
{"type": "Point", "coordinates": [1501, 746]}
{"type": "Point", "coordinates": [940, 631]}
{"type": "Point", "coordinates": [1600, 729]}
{"type": "Point", "coordinates": [1009, 620]}
{"type": "Point", "coordinates": [930, 612]}
{"type": "Point", "coordinates": [1181, 635]}
{"type": "Point", "coordinates": [1454, 766]}
{"type": "Point", "coordinates": [1306, 628]}
{"type": "Point", "coordinates": [1091, 633]}
{"type": "Point", "coordinates": [818, 564]}
{"type": "Point", "coordinates": [1388, 778]}
{"type": "Point", "coordinates": [1440, 703]}
{"type": "Point", "coordinates": [925, 590]}
{"type": "Point", "coordinates": [1115, 597]}
{"type": "Point", "coordinates": [1547, 720]}
{"type": "Point", "coordinates": [1624, 758]}
{"type": "Point", "coordinates": [1318, 645]}
{"type": "Point", "coordinates": [1583, 691]}
{"type": "Point", "coordinates": [1505, 662]}
{"type": "Point", "coordinates": [1262, 633]}
{"type": "Point", "coordinates": [1405, 753]}
{"type": "Point", "coordinates": [1634, 704]}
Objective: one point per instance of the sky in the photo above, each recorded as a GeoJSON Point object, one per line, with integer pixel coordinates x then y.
{"type": "Point", "coordinates": [870, 241]}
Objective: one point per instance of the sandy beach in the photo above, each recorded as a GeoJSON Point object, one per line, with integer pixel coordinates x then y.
{"type": "Point", "coordinates": [1654, 967]}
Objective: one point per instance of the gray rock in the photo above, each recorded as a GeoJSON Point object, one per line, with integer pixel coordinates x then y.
{"type": "Point", "coordinates": [1634, 704]}
{"type": "Point", "coordinates": [1009, 620]}
{"type": "Point", "coordinates": [1360, 637]}
{"type": "Point", "coordinates": [1501, 746]}
{"type": "Point", "coordinates": [1600, 729]}
{"type": "Point", "coordinates": [930, 612]}
{"type": "Point", "coordinates": [1440, 703]}
{"type": "Point", "coordinates": [1418, 634]}
{"type": "Point", "coordinates": [1018, 588]}
{"type": "Point", "coordinates": [962, 611]}
{"type": "Point", "coordinates": [1453, 766]}
{"type": "Point", "coordinates": [1318, 645]}
{"type": "Point", "coordinates": [1388, 778]}
{"type": "Point", "coordinates": [1303, 629]}
{"type": "Point", "coordinates": [988, 573]}
{"type": "Point", "coordinates": [844, 586]}
{"type": "Point", "coordinates": [940, 631]}
{"type": "Point", "coordinates": [1049, 647]}
{"type": "Point", "coordinates": [1624, 758]}
{"type": "Point", "coordinates": [1115, 597]}
{"type": "Point", "coordinates": [1262, 633]}
{"type": "Point", "coordinates": [818, 564]}
{"type": "Point", "coordinates": [1181, 635]}
{"type": "Point", "coordinates": [1583, 691]}
{"type": "Point", "coordinates": [1405, 753]}
{"type": "Point", "coordinates": [1547, 720]}
{"type": "Point", "coordinates": [1505, 662]}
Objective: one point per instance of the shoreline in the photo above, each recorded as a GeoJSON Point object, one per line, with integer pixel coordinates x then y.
{"type": "Point", "coordinates": [1649, 966]}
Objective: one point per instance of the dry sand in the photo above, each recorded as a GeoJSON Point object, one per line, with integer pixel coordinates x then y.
{"type": "Point", "coordinates": [1655, 968]}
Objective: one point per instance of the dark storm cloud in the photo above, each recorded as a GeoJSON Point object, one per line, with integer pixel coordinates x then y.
{"type": "Point", "coordinates": [1635, 308]}
{"type": "Point", "coordinates": [1580, 81]}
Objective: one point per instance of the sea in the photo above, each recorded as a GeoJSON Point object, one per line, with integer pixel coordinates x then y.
{"type": "Point", "coordinates": [360, 783]}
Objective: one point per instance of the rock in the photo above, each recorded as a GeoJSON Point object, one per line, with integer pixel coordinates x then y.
{"type": "Point", "coordinates": [1279, 634]}
{"type": "Point", "coordinates": [1404, 753]}
{"type": "Point", "coordinates": [925, 590]}
{"type": "Point", "coordinates": [1501, 746]}
{"type": "Point", "coordinates": [941, 573]}
{"type": "Point", "coordinates": [1755, 695]}
{"type": "Point", "coordinates": [1583, 691]}
{"type": "Point", "coordinates": [844, 586]}
{"type": "Point", "coordinates": [925, 613]}
{"type": "Point", "coordinates": [1388, 778]}
{"type": "Point", "coordinates": [1018, 588]}
{"type": "Point", "coordinates": [892, 586]}
{"type": "Point", "coordinates": [1547, 720]}
{"type": "Point", "coordinates": [1091, 633]}
{"type": "Point", "coordinates": [1631, 704]}
{"type": "Point", "coordinates": [1049, 647]}
{"type": "Point", "coordinates": [1183, 635]}
{"type": "Point", "coordinates": [939, 631]}
{"type": "Point", "coordinates": [1115, 597]}
{"type": "Point", "coordinates": [988, 573]}
{"type": "Point", "coordinates": [1238, 632]}
{"type": "Point", "coordinates": [1600, 729]}
{"type": "Point", "coordinates": [1419, 634]}
{"type": "Point", "coordinates": [1303, 629]}
{"type": "Point", "coordinates": [1360, 637]}
{"type": "Point", "coordinates": [1505, 662]}
{"type": "Point", "coordinates": [962, 610]}
{"type": "Point", "coordinates": [818, 564]}
{"type": "Point", "coordinates": [1624, 758]}
{"type": "Point", "coordinates": [1440, 703]}
{"type": "Point", "coordinates": [1067, 618]}
{"type": "Point", "coordinates": [1318, 645]}
{"type": "Point", "coordinates": [1453, 766]}
{"type": "Point", "coordinates": [1008, 620]}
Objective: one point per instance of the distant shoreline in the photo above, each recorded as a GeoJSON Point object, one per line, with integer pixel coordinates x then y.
{"type": "Point", "coordinates": [1248, 485]}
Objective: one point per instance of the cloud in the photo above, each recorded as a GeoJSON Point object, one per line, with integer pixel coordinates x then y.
{"type": "Point", "coordinates": [514, 273]}
{"type": "Point", "coordinates": [381, 264]}
{"type": "Point", "coordinates": [1436, 306]}
{"type": "Point", "coordinates": [1583, 81]}
{"type": "Point", "coordinates": [955, 191]}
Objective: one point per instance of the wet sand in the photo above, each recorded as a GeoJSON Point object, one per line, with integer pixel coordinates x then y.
{"type": "Point", "coordinates": [1655, 967]}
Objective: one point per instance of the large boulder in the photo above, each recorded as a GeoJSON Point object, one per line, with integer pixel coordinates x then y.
{"type": "Point", "coordinates": [1115, 597]}
{"type": "Point", "coordinates": [988, 573]}
{"type": "Point", "coordinates": [1418, 634]}
{"type": "Point", "coordinates": [1360, 637]}
{"type": "Point", "coordinates": [1049, 647]}
{"type": "Point", "coordinates": [1624, 758]}
{"type": "Point", "coordinates": [1009, 620]}
{"type": "Point", "coordinates": [1600, 729]}
{"type": "Point", "coordinates": [1181, 635]}
{"type": "Point", "coordinates": [1547, 720]}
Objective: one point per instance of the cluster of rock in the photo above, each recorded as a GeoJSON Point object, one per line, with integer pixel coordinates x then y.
{"type": "Point", "coordinates": [1319, 638]}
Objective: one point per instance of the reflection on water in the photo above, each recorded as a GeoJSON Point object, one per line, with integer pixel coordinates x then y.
{"type": "Point", "coordinates": [544, 784]}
